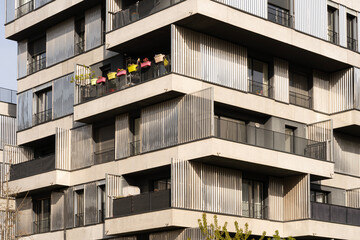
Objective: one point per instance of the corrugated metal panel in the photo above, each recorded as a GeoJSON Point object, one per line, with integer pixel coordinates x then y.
{"type": "Point", "coordinates": [60, 42]}
{"type": "Point", "coordinates": [39, 3]}
{"type": "Point", "coordinates": [353, 198]}
{"type": "Point", "coordinates": [196, 115]}
{"type": "Point", "coordinates": [321, 91]}
{"type": "Point", "coordinates": [112, 6]}
{"type": "Point", "coordinates": [159, 125]}
{"type": "Point", "coordinates": [113, 188]}
{"type": "Point", "coordinates": [10, 10]}
{"type": "Point", "coordinates": [24, 218]}
{"type": "Point", "coordinates": [57, 211]}
{"type": "Point", "coordinates": [193, 233]}
{"type": "Point", "coordinates": [358, 32]}
{"type": "Point", "coordinates": [296, 197]}
{"type": "Point", "coordinates": [311, 17]}
{"type": "Point", "coordinates": [93, 28]}
{"type": "Point", "coordinates": [63, 149]}
{"type": "Point", "coordinates": [81, 147]}
{"type": "Point", "coordinates": [7, 131]}
{"type": "Point", "coordinates": [342, 26]}
{"type": "Point", "coordinates": [276, 199]}
{"type": "Point", "coordinates": [256, 7]}
{"type": "Point", "coordinates": [281, 80]}
{"type": "Point", "coordinates": [207, 188]}
{"type": "Point", "coordinates": [341, 90]}
{"type": "Point", "coordinates": [122, 133]}
{"type": "Point", "coordinates": [357, 88]}
{"type": "Point", "coordinates": [322, 132]}
{"type": "Point", "coordinates": [63, 95]}
{"type": "Point", "coordinates": [90, 203]}
{"type": "Point", "coordinates": [22, 58]}
{"type": "Point", "coordinates": [209, 59]}
{"type": "Point", "coordinates": [15, 154]}
{"type": "Point", "coordinates": [69, 207]}
{"type": "Point", "coordinates": [346, 154]}
{"type": "Point", "coordinates": [81, 78]}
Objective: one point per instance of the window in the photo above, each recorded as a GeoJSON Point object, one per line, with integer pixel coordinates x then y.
{"type": "Point", "coordinates": [351, 32]}
{"type": "Point", "coordinates": [101, 203]}
{"type": "Point", "coordinates": [162, 184]}
{"type": "Point", "coordinates": [258, 73]}
{"type": "Point", "coordinates": [41, 208]}
{"type": "Point", "coordinates": [104, 138]}
{"type": "Point", "coordinates": [299, 88]}
{"type": "Point", "coordinates": [136, 139]}
{"type": "Point", "coordinates": [332, 24]}
{"type": "Point", "coordinates": [37, 55]}
{"type": "Point", "coordinates": [319, 196]}
{"type": "Point", "coordinates": [289, 139]}
{"type": "Point", "coordinates": [253, 199]}
{"type": "Point", "coordinates": [24, 7]}
{"type": "Point", "coordinates": [80, 35]}
{"type": "Point", "coordinates": [79, 208]}
{"type": "Point", "coordinates": [279, 15]}
{"type": "Point", "coordinates": [43, 106]}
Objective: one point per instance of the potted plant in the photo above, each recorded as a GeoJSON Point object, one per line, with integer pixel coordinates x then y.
{"type": "Point", "coordinates": [146, 63]}
{"type": "Point", "coordinates": [111, 75]}
{"type": "Point", "coordinates": [159, 58]}
{"type": "Point", "coordinates": [101, 80]}
{"type": "Point", "coordinates": [120, 72]}
{"type": "Point", "coordinates": [132, 68]}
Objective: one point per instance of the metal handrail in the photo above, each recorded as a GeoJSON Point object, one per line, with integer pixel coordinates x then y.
{"type": "Point", "coordinates": [333, 36]}
{"type": "Point", "coordinates": [42, 117]}
{"type": "Point", "coordinates": [259, 88]}
{"type": "Point", "coordinates": [42, 225]}
{"type": "Point", "coordinates": [351, 43]}
{"type": "Point", "coordinates": [280, 17]}
{"type": "Point", "coordinates": [37, 65]}
{"type": "Point", "coordinates": [254, 211]}
{"type": "Point", "coordinates": [24, 9]}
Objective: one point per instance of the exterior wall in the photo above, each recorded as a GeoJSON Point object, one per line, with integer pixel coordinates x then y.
{"type": "Point", "coordinates": [281, 80]}
{"type": "Point", "coordinates": [93, 28]}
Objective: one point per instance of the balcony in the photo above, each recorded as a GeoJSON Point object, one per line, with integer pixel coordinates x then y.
{"type": "Point", "coordinates": [241, 133]}
{"type": "Point", "coordinates": [260, 88]}
{"type": "Point", "coordinates": [24, 9]}
{"type": "Point", "coordinates": [36, 65]}
{"type": "Point", "coordinates": [88, 92]}
{"type": "Point", "coordinates": [41, 226]}
{"type": "Point", "coordinates": [42, 117]}
{"type": "Point", "coordinates": [104, 156]}
{"type": "Point", "coordinates": [351, 43]}
{"type": "Point", "coordinates": [7, 95]}
{"type": "Point", "coordinates": [142, 203]}
{"type": "Point", "coordinates": [279, 16]}
{"type": "Point", "coordinates": [79, 220]}
{"type": "Point", "coordinates": [335, 214]}
{"type": "Point", "coordinates": [333, 36]}
{"type": "Point", "coordinates": [139, 10]}
{"type": "Point", "coordinates": [300, 99]}
{"type": "Point", "coordinates": [32, 167]}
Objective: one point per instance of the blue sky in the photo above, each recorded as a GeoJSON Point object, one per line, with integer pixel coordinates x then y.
{"type": "Point", "coordinates": [8, 53]}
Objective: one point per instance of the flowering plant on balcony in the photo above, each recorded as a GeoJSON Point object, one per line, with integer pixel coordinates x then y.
{"type": "Point", "coordinates": [146, 63]}
{"type": "Point", "coordinates": [101, 80]}
{"type": "Point", "coordinates": [120, 72]}
{"type": "Point", "coordinates": [111, 75]}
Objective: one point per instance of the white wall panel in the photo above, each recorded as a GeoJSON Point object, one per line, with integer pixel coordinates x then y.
{"type": "Point", "coordinates": [342, 26]}
{"type": "Point", "coordinates": [346, 154]}
{"type": "Point", "coordinates": [342, 90]}
{"type": "Point", "coordinates": [256, 7]}
{"type": "Point", "coordinates": [353, 198]}
{"type": "Point", "coordinates": [62, 149]}
{"type": "Point", "coordinates": [122, 136]}
{"type": "Point", "coordinates": [357, 88]}
{"type": "Point", "coordinates": [321, 91]}
{"type": "Point", "coordinates": [81, 147]}
{"type": "Point", "coordinates": [311, 17]}
{"type": "Point", "coordinates": [276, 199]}
{"type": "Point", "coordinates": [281, 80]}
{"type": "Point", "coordinates": [93, 28]}
{"type": "Point", "coordinates": [7, 131]}
{"type": "Point", "coordinates": [60, 42]}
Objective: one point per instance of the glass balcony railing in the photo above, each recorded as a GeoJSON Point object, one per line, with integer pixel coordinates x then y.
{"type": "Point", "coordinates": [254, 210]}
{"type": "Point", "coordinates": [139, 10]}
{"type": "Point", "coordinates": [335, 214]}
{"type": "Point", "coordinates": [300, 99]}
{"type": "Point", "coordinates": [260, 88]}
{"type": "Point", "coordinates": [24, 9]}
{"type": "Point", "coordinates": [104, 156]}
{"type": "Point", "coordinates": [239, 132]}
{"type": "Point", "coordinates": [7, 95]}
{"type": "Point", "coordinates": [333, 36]}
{"type": "Point", "coordinates": [89, 91]}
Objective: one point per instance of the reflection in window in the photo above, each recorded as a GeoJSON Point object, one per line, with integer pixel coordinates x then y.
{"type": "Point", "coordinates": [289, 140]}
{"type": "Point", "coordinates": [253, 199]}
{"type": "Point", "coordinates": [332, 24]}
{"type": "Point", "coordinates": [79, 208]}
{"type": "Point", "coordinates": [162, 184]}
{"type": "Point", "coordinates": [43, 111]}
{"type": "Point", "coordinates": [319, 196]}
{"type": "Point", "coordinates": [351, 30]}
{"type": "Point", "coordinates": [37, 55]}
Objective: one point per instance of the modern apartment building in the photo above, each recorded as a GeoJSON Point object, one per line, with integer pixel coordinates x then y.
{"type": "Point", "coordinates": [134, 117]}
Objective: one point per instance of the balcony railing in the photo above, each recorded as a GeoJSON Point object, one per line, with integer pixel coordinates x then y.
{"type": "Point", "coordinates": [259, 88]}
{"type": "Point", "coordinates": [335, 214]}
{"type": "Point", "coordinates": [24, 9]}
{"type": "Point", "coordinates": [37, 65]}
{"type": "Point", "coordinates": [300, 99]}
{"type": "Point", "coordinates": [42, 117]}
{"type": "Point", "coordinates": [79, 219]}
{"type": "Point", "coordinates": [142, 203]}
{"type": "Point", "coordinates": [254, 210]}
{"type": "Point", "coordinates": [89, 92]}
{"type": "Point", "coordinates": [32, 167]}
{"type": "Point", "coordinates": [279, 16]}
{"type": "Point", "coordinates": [139, 10]}
{"type": "Point", "coordinates": [7, 95]}
{"type": "Point", "coordinates": [333, 36]}
{"type": "Point", "coordinates": [135, 147]}
{"type": "Point", "coordinates": [42, 226]}
{"type": "Point", "coordinates": [351, 43]}
{"type": "Point", "coordinates": [239, 132]}
{"type": "Point", "coordinates": [104, 156]}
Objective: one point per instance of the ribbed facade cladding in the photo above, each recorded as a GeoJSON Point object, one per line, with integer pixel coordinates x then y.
{"type": "Point", "coordinates": [321, 94]}
{"type": "Point", "coordinates": [210, 59]}
{"type": "Point", "coordinates": [112, 6]}
{"type": "Point", "coordinates": [323, 132]}
{"type": "Point", "coordinates": [60, 42]}
{"type": "Point", "coordinates": [81, 147]}
{"type": "Point", "coordinates": [281, 80]}
{"type": "Point", "coordinates": [342, 90]}
{"type": "Point", "coordinates": [346, 154]}
{"type": "Point", "coordinates": [353, 198]}
{"type": "Point", "coordinates": [256, 7]}
{"type": "Point", "coordinates": [296, 197]}
{"type": "Point", "coordinates": [206, 188]}
{"type": "Point", "coordinates": [159, 126]}
{"type": "Point", "coordinates": [113, 188]}
{"type": "Point", "coordinates": [22, 58]}
{"type": "Point", "coordinates": [342, 26]}
{"type": "Point", "coordinates": [357, 88]}
{"type": "Point", "coordinates": [24, 224]}
{"type": "Point", "coordinates": [62, 149]}
{"type": "Point", "coordinates": [122, 136]}
{"type": "Point", "coordinates": [15, 154]}
{"type": "Point", "coordinates": [91, 215]}
{"type": "Point", "coordinates": [57, 211]}
{"type": "Point", "coordinates": [63, 95]}
{"type": "Point", "coordinates": [185, 234]}
{"type": "Point", "coordinates": [276, 199]}
{"type": "Point", "coordinates": [93, 28]}
{"type": "Point", "coordinates": [7, 131]}
{"type": "Point", "coordinates": [81, 78]}
{"type": "Point", "coordinates": [311, 17]}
